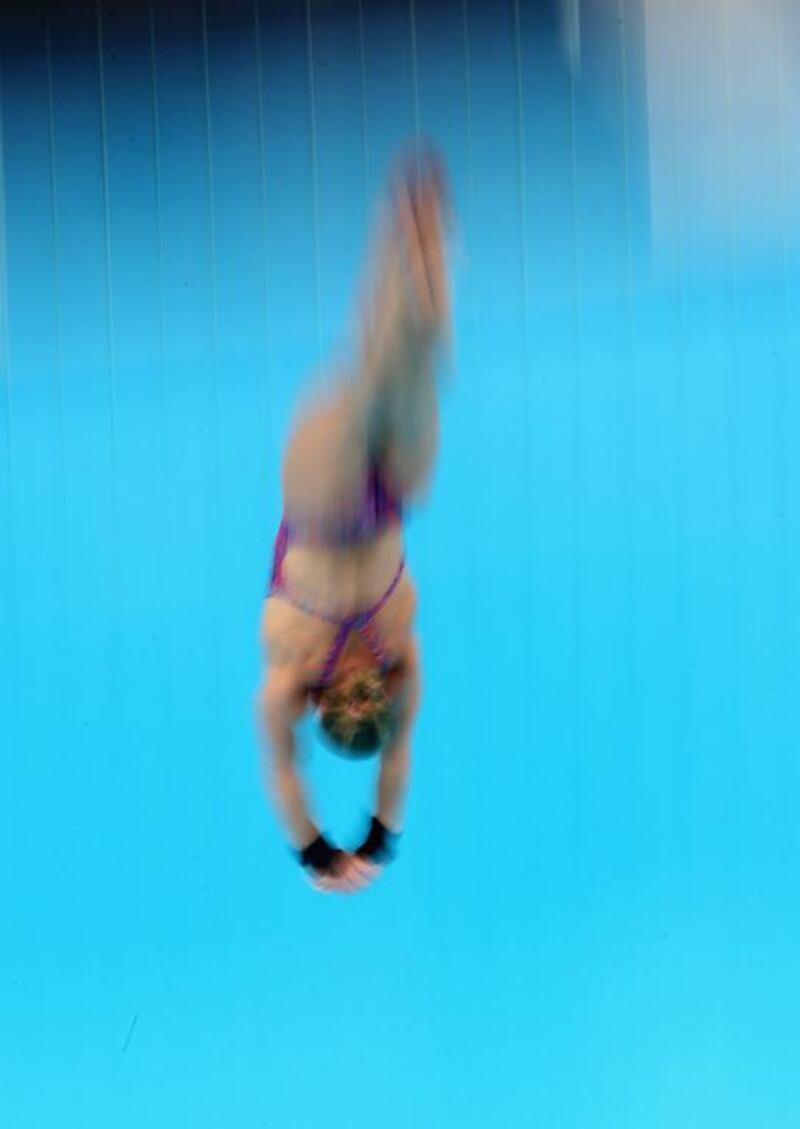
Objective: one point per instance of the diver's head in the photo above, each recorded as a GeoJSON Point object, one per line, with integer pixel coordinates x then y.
{"type": "Point", "coordinates": [357, 712]}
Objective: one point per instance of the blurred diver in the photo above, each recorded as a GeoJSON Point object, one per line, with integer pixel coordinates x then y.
{"type": "Point", "coordinates": [337, 626]}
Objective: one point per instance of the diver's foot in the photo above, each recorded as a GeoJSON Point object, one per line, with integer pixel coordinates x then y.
{"type": "Point", "coordinates": [352, 874]}
{"type": "Point", "coordinates": [419, 201]}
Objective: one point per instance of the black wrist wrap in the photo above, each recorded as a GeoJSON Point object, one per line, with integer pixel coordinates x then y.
{"type": "Point", "coordinates": [319, 855]}
{"type": "Point", "coordinates": [379, 845]}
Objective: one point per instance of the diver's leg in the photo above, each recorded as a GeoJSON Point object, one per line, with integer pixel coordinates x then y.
{"type": "Point", "coordinates": [327, 458]}
{"type": "Point", "coordinates": [410, 435]}
{"type": "Point", "coordinates": [414, 320]}
{"type": "Point", "coordinates": [329, 453]}
{"type": "Point", "coordinates": [386, 411]}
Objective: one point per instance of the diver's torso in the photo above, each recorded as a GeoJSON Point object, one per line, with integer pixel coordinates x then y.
{"type": "Point", "coordinates": [340, 583]}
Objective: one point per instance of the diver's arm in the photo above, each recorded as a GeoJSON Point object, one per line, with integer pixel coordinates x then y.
{"type": "Point", "coordinates": [393, 783]}
{"type": "Point", "coordinates": [396, 757]}
{"type": "Point", "coordinates": [280, 705]}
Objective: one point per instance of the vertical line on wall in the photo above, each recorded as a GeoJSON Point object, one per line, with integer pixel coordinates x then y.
{"type": "Point", "coordinates": [780, 405]}
{"type": "Point", "coordinates": [681, 612]}
{"type": "Point", "coordinates": [8, 402]}
{"type": "Point", "coordinates": [527, 534]}
{"type": "Point", "coordinates": [677, 192]}
{"type": "Point", "coordinates": [165, 495]}
{"type": "Point", "coordinates": [314, 178]}
{"type": "Point", "coordinates": [63, 532]}
{"type": "Point", "coordinates": [573, 187]}
{"type": "Point", "coordinates": [470, 417]}
{"type": "Point", "coordinates": [576, 454]}
{"type": "Point", "coordinates": [570, 16]}
{"type": "Point", "coordinates": [523, 190]}
{"type": "Point", "coordinates": [262, 170]}
{"type": "Point", "coordinates": [469, 139]}
{"type": "Point", "coordinates": [677, 196]}
{"type": "Point", "coordinates": [364, 109]}
{"type": "Point", "coordinates": [412, 17]}
{"type": "Point", "coordinates": [781, 75]}
{"type": "Point", "coordinates": [217, 538]}
{"type": "Point", "coordinates": [159, 207]}
{"type": "Point", "coordinates": [112, 359]}
{"type": "Point", "coordinates": [733, 257]}
{"type": "Point", "coordinates": [113, 642]}
{"type": "Point", "coordinates": [212, 243]}
{"type": "Point", "coordinates": [626, 411]}
{"type": "Point", "coordinates": [58, 359]}
{"type": "Point", "coordinates": [734, 411]}
{"type": "Point", "coordinates": [626, 160]}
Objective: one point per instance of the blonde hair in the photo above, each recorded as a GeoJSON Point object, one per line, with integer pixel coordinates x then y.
{"type": "Point", "coordinates": [356, 712]}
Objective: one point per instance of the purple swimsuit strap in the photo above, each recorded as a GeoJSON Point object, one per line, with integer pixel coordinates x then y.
{"type": "Point", "coordinates": [378, 509]}
{"type": "Point", "coordinates": [279, 552]}
{"type": "Point", "coordinates": [362, 623]}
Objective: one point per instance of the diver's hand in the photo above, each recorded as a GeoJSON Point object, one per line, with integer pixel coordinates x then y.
{"type": "Point", "coordinates": [350, 875]}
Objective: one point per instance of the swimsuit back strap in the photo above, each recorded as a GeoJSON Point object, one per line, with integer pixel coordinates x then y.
{"type": "Point", "coordinates": [363, 623]}
{"type": "Point", "coordinates": [334, 653]}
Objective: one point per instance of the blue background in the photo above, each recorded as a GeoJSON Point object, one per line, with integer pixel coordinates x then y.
{"type": "Point", "coordinates": [594, 920]}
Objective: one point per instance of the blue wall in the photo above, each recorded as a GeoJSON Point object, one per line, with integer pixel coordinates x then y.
{"type": "Point", "coordinates": [594, 920]}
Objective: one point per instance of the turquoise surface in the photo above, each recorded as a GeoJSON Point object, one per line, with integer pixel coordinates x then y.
{"type": "Point", "coordinates": [594, 920]}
